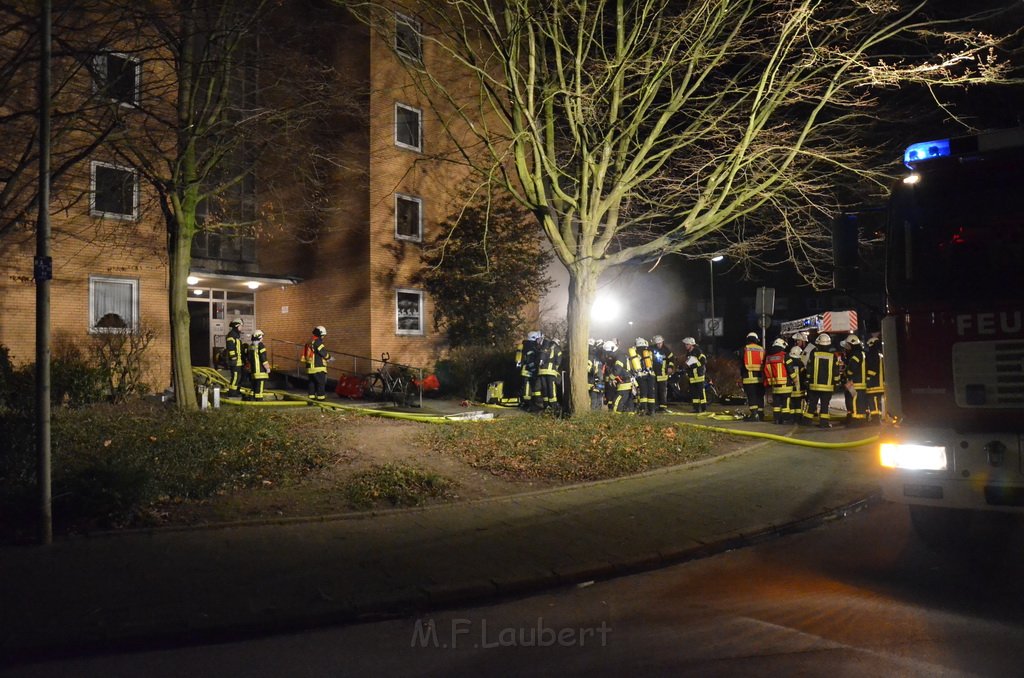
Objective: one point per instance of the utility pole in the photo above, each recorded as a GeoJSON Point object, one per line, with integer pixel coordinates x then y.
{"type": "Point", "coordinates": [43, 273]}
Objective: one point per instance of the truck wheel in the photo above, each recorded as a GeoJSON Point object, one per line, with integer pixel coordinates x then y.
{"type": "Point", "coordinates": [942, 528]}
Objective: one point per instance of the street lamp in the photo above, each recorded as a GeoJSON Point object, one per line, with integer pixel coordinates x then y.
{"type": "Point", "coordinates": [714, 323]}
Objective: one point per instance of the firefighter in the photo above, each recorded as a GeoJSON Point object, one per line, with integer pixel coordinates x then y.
{"type": "Point", "coordinates": [797, 380]}
{"type": "Point", "coordinates": [234, 357]}
{"type": "Point", "coordinates": [317, 358]}
{"type": "Point", "coordinates": [776, 377]}
{"type": "Point", "coordinates": [527, 359]}
{"type": "Point", "coordinates": [259, 367]}
{"type": "Point", "coordinates": [549, 365]}
{"type": "Point", "coordinates": [641, 364]}
{"type": "Point", "coordinates": [753, 380]}
{"type": "Point", "coordinates": [663, 360]}
{"type": "Point", "coordinates": [801, 341]}
{"type": "Point", "coordinates": [620, 376]}
{"type": "Point", "coordinates": [595, 373]}
{"type": "Point", "coordinates": [696, 366]}
{"type": "Point", "coordinates": [875, 379]}
{"type": "Point", "coordinates": [822, 378]}
{"type": "Point", "coordinates": [855, 376]}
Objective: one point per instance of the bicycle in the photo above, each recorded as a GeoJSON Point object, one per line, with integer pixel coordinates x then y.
{"type": "Point", "coordinates": [390, 382]}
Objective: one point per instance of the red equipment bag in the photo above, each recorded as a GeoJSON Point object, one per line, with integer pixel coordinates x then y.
{"type": "Point", "coordinates": [429, 383]}
{"type": "Point", "coordinates": [351, 387]}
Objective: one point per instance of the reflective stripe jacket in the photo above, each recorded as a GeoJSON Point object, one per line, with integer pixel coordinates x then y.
{"type": "Point", "coordinates": [320, 356]}
{"type": "Point", "coordinates": [256, 356]}
{"type": "Point", "coordinates": [233, 348]}
{"type": "Point", "coordinates": [663, 357]}
{"type": "Point", "coordinates": [855, 370]}
{"type": "Point", "coordinates": [753, 359]}
{"type": "Point", "coordinates": [776, 375]}
{"type": "Point", "coordinates": [526, 358]}
{"type": "Point", "coordinates": [697, 368]}
{"type": "Point", "coordinates": [797, 376]}
{"type": "Point", "coordinates": [823, 369]}
{"type": "Point", "coordinates": [875, 373]}
{"type": "Point", "coordinates": [549, 360]}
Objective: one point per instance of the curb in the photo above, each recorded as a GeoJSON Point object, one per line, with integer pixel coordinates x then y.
{"type": "Point", "coordinates": [421, 600]}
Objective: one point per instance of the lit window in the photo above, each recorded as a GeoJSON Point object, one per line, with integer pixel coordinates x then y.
{"type": "Point", "coordinates": [408, 40]}
{"type": "Point", "coordinates": [113, 304]}
{"type": "Point", "coordinates": [408, 218]}
{"type": "Point", "coordinates": [409, 310]}
{"type": "Point", "coordinates": [407, 127]}
{"type": "Point", "coordinates": [114, 192]}
{"type": "Point", "coordinates": [116, 76]}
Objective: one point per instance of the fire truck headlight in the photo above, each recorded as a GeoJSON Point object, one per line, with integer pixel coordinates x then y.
{"type": "Point", "coordinates": [913, 457]}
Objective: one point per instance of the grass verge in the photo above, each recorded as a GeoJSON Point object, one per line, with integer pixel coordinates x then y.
{"type": "Point", "coordinates": [593, 446]}
{"type": "Point", "coordinates": [395, 485]}
{"type": "Point", "coordinates": [111, 463]}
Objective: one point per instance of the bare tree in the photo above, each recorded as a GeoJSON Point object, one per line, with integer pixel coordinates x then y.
{"type": "Point", "coordinates": [634, 129]}
{"type": "Point", "coordinates": [221, 93]}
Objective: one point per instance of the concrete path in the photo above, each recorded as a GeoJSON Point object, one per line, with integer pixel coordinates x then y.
{"type": "Point", "coordinates": [152, 587]}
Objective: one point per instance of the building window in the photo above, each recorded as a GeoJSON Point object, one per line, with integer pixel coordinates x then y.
{"type": "Point", "coordinates": [113, 304]}
{"type": "Point", "coordinates": [408, 218]}
{"type": "Point", "coordinates": [116, 76]}
{"type": "Point", "coordinates": [408, 39]}
{"type": "Point", "coordinates": [409, 311]}
{"type": "Point", "coordinates": [407, 127]}
{"type": "Point", "coordinates": [114, 192]}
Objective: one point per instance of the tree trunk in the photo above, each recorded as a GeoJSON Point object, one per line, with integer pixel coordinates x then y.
{"type": "Point", "coordinates": [181, 348]}
{"type": "Point", "coordinates": [582, 289]}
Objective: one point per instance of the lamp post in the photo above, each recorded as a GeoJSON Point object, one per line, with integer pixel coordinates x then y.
{"type": "Point", "coordinates": [711, 277]}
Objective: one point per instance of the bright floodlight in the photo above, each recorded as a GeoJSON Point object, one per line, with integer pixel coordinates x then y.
{"type": "Point", "coordinates": [605, 309]}
{"type": "Point", "coordinates": [718, 258]}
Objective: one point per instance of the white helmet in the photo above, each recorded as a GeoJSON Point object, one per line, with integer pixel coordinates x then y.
{"type": "Point", "coordinates": [320, 331]}
{"type": "Point", "coordinates": [796, 352]}
{"type": "Point", "coordinates": [853, 340]}
{"type": "Point", "coordinates": [658, 339]}
{"type": "Point", "coordinates": [689, 341]}
{"type": "Point", "coordinates": [610, 346]}
{"type": "Point", "coordinates": [534, 335]}
{"type": "Point", "coordinates": [823, 340]}
{"type": "Point", "coordinates": [779, 343]}
{"type": "Point", "coordinates": [873, 341]}
{"type": "Point", "coordinates": [257, 335]}
{"type": "Point", "coordinates": [800, 336]}
{"type": "Point", "coordinates": [641, 342]}
{"type": "Point", "coordinates": [753, 336]}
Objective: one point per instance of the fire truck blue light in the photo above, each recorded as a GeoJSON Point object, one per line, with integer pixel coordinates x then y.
{"type": "Point", "coordinates": [925, 150]}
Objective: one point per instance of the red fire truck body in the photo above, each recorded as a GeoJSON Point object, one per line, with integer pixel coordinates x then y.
{"type": "Point", "coordinates": [953, 336]}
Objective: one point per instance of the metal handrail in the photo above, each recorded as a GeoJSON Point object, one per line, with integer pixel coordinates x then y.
{"type": "Point", "coordinates": [283, 351]}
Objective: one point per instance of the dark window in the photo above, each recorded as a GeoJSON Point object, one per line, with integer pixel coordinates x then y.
{"type": "Point", "coordinates": [408, 41]}
{"type": "Point", "coordinates": [114, 191]}
{"type": "Point", "coordinates": [407, 127]}
{"type": "Point", "coordinates": [117, 77]}
{"type": "Point", "coordinates": [408, 222]}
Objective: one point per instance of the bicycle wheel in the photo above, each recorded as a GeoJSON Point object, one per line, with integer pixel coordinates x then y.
{"type": "Point", "coordinates": [374, 390]}
{"type": "Point", "coordinates": [398, 390]}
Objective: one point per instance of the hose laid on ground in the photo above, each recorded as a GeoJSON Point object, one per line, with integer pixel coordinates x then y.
{"type": "Point", "coordinates": [285, 399]}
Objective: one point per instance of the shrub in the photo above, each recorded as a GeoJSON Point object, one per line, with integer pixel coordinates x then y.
{"type": "Point", "coordinates": [725, 372]}
{"type": "Point", "coordinates": [468, 369]}
{"type": "Point", "coordinates": [122, 359]}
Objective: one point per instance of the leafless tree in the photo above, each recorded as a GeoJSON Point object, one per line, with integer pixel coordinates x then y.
{"type": "Point", "coordinates": [634, 129]}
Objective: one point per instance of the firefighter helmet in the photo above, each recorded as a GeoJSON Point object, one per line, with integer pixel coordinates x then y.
{"type": "Point", "coordinates": [658, 339]}
{"type": "Point", "coordinates": [800, 336]}
{"type": "Point", "coordinates": [873, 341]}
{"type": "Point", "coordinates": [235, 323]}
{"type": "Point", "coordinates": [779, 343]}
{"type": "Point", "coordinates": [753, 336]}
{"type": "Point", "coordinates": [689, 341]}
{"type": "Point", "coordinates": [796, 352]}
{"type": "Point", "coordinates": [257, 335]}
{"type": "Point", "coordinates": [853, 340]}
{"type": "Point", "coordinates": [534, 335]}
{"type": "Point", "coordinates": [320, 331]}
{"type": "Point", "coordinates": [823, 340]}
{"type": "Point", "coordinates": [641, 342]}
{"type": "Point", "coordinates": [610, 346]}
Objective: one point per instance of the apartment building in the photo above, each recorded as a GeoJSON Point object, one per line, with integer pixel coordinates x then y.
{"type": "Point", "coordinates": [351, 271]}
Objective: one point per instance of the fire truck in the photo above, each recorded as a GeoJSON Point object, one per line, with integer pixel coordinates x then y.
{"type": "Point", "coordinates": [831, 322]}
{"type": "Point", "coordinates": [953, 334]}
